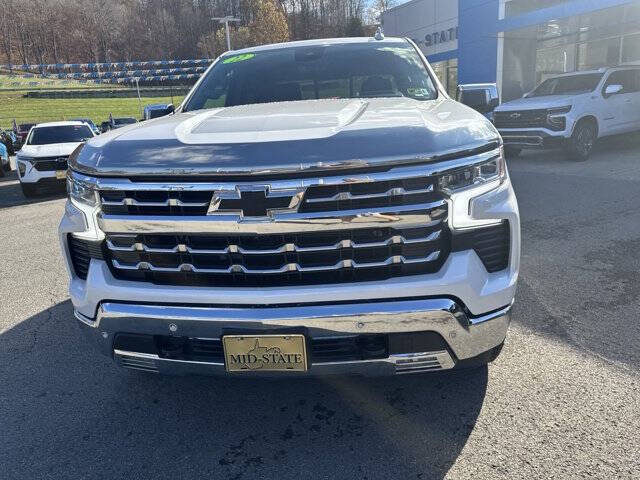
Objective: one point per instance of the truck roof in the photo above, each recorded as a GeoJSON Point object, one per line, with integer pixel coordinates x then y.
{"type": "Point", "coordinates": [59, 124]}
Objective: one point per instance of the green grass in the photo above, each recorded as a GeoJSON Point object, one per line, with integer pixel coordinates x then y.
{"type": "Point", "coordinates": [14, 105]}
{"type": "Point", "coordinates": [30, 110]}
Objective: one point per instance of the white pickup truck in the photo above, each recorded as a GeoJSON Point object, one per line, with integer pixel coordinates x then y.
{"type": "Point", "coordinates": [313, 207]}
{"type": "Point", "coordinates": [42, 160]}
{"type": "Point", "coordinates": [572, 111]}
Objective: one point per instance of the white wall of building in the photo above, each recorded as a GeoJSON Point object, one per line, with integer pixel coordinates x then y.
{"type": "Point", "coordinates": [427, 22]}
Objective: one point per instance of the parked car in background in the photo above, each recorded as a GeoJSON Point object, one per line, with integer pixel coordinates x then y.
{"type": "Point", "coordinates": [43, 157]}
{"type": "Point", "coordinates": [89, 122]}
{"type": "Point", "coordinates": [572, 111]}
{"type": "Point", "coordinates": [157, 110]}
{"type": "Point", "coordinates": [5, 165]}
{"type": "Point", "coordinates": [23, 130]}
{"type": "Point", "coordinates": [7, 138]}
{"type": "Point", "coordinates": [118, 122]}
{"type": "Point", "coordinates": [482, 97]}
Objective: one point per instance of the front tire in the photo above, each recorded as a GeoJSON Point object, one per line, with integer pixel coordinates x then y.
{"type": "Point", "coordinates": [581, 143]}
{"type": "Point", "coordinates": [29, 190]}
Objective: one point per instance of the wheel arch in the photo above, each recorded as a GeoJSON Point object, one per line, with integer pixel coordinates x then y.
{"type": "Point", "coordinates": [587, 118]}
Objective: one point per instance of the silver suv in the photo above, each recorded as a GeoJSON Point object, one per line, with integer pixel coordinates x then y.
{"type": "Point", "coordinates": [311, 208]}
{"type": "Point", "coordinates": [572, 111]}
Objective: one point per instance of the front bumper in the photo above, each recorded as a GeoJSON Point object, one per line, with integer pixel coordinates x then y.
{"type": "Point", "coordinates": [466, 336]}
{"type": "Point", "coordinates": [466, 305]}
{"type": "Point", "coordinates": [532, 138]}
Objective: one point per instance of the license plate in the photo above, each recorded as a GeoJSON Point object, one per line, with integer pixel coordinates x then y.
{"type": "Point", "coordinates": [61, 174]}
{"type": "Point", "coordinates": [264, 353]}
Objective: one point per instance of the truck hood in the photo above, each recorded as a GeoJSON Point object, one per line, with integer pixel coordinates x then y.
{"type": "Point", "coordinates": [535, 103]}
{"type": "Point", "coordinates": [287, 137]}
{"type": "Point", "coordinates": [51, 150]}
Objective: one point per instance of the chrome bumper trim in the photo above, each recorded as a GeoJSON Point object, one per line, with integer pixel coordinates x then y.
{"type": "Point", "coordinates": [395, 364]}
{"type": "Point", "coordinates": [467, 337]}
{"type": "Point", "coordinates": [532, 141]}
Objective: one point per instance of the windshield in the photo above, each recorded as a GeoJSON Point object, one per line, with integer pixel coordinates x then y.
{"type": "Point", "coordinates": [61, 134]}
{"type": "Point", "coordinates": [571, 85]}
{"type": "Point", "coordinates": [124, 121]}
{"type": "Point", "coordinates": [324, 71]}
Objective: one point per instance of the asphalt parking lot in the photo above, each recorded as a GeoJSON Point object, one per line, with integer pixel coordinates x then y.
{"type": "Point", "coordinates": [562, 401]}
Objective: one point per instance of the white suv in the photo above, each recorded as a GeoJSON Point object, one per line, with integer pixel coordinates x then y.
{"type": "Point", "coordinates": [43, 157]}
{"type": "Point", "coordinates": [572, 111]}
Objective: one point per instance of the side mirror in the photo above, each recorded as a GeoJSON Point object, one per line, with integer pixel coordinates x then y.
{"type": "Point", "coordinates": [482, 98]}
{"type": "Point", "coordinates": [170, 108]}
{"type": "Point", "coordinates": [613, 90]}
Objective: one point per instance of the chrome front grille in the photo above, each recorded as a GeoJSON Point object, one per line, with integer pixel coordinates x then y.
{"type": "Point", "coordinates": [50, 164]}
{"type": "Point", "coordinates": [276, 259]}
{"type": "Point", "coordinates": [314, 198]}
{"type": "Point", "coordinates": [337, 228]}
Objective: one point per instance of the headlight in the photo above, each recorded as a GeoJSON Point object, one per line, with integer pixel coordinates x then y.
{"type": "Point", "coordinates": [465, 184]}
{"type": "Point", "coordinates": [555, 117]}
{"type": "Point", "coordinates": [472, 176]}
{"type": "Point", "coordinates": [23, 163]}
{"type": "Point", "coordinates": [559, 110]}
{"type": "Point", "coordinates": [81, 192]}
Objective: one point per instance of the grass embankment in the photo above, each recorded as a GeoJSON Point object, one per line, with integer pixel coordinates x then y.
{"type": "Point", "coordinates": [13, 103]}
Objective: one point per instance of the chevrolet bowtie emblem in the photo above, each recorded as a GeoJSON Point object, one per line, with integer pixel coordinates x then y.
{"type": "Point", "coordinates": [254, 201]}
{"type": "Point", "coordinates": [516, 115]}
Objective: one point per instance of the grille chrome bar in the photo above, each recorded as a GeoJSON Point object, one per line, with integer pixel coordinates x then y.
{"type": "Point", "coordinates": [392, 192]}
{"type": "Point", "coordinates": [289, 267]}
{"type": "Point", "coordinates": [170, 202]}
{"type": "Point", "coordinates": [287, 247]}
{"type": "Point", "coordinates": [404, 216]}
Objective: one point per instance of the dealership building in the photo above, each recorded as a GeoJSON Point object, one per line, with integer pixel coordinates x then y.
{"type": "Point", "coordinates": [517, 43]}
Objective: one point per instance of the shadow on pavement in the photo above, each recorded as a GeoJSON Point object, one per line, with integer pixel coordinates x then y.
{"type": "Point", "coordinates": [11, 194]}
{"type": "Point", "coordinates": [69, 412]}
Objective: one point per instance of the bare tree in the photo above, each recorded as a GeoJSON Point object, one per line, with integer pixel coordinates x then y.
{"type": "Point", "coordinates": [80, 31]}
